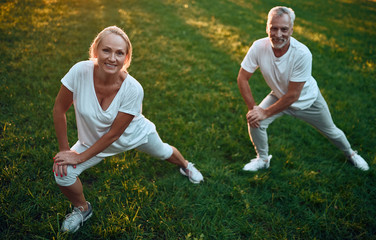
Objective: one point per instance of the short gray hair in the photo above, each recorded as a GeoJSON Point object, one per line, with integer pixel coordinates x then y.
{"type": "Point", "coordinates": [279, 11]}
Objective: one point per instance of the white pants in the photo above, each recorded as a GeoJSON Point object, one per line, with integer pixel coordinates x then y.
{"type": "Point", "coordinates": [154, 147]}
{"type": "Point", "coordinates": [317, 115]}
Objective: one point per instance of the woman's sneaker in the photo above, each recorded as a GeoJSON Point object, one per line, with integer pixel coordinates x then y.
{"type": "Point", "coordinates": [74, 220]}
{"type": "Point", "coordinates": [192, 173]}
{"type": "Point", "coordinates": [257, 163]}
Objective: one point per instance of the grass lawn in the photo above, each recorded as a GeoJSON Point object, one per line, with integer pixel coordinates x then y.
{"type": "Point", "coordinates": [186, 56]}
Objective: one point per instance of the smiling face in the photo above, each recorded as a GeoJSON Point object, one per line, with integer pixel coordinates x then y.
{"type": "Point", "coordinates": [111, 53]}
{"type": "Point", "coordinates": [279, 30]}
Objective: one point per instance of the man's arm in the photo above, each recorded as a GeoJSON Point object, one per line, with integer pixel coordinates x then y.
{"type": "Point", "coordinates": [245, 90]}
{"type": "Point", "coordinates": [292, 95]}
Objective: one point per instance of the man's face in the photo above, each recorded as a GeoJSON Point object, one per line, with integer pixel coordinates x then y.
{"type": "Point", "coordinates": [279, 31]}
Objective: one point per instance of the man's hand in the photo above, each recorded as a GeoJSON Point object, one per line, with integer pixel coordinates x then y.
{"type": "Point", "coordinates": [256, 115]}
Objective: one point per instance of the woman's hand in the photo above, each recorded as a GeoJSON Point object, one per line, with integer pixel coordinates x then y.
{"type": "Point", "coordinates": [63, 159]}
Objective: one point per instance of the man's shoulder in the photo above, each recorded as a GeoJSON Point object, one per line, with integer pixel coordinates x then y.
{"type": "Point", "coordinates": [299, 47]}
{"type": "Point", "coordinates": [262, 42]}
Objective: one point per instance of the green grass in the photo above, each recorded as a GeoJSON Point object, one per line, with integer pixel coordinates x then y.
{"type": "Point", "coordinates": [187, 55]}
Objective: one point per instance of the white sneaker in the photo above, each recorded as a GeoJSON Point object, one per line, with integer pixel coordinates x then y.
{"type": "Point", "coordinates": [74, 220]}
{"type": "Point", "coordinates": [257, 163]}
{"type": "Point", "coordinates": [192, 173]}
{"type": "Point", "coordinates": [358, 161]}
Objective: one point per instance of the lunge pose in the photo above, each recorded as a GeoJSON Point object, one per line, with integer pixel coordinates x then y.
{"type": "Point", "coordinates": [286, 65]}
{"type": "Point", "coordinates": [108, 103]}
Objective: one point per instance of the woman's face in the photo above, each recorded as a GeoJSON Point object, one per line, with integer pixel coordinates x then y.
{"type": "Point", "coordinates": [111, 53]}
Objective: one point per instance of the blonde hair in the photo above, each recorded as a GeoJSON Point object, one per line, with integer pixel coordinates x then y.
{"type": "Point", "coordinates": [115, 30]}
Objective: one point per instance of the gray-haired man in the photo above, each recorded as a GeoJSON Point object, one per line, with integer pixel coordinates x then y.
{"type": "Point", "coordinates": [286, 65]}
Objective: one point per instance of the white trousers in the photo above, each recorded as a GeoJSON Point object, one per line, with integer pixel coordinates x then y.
{"type": "Point", "coordinates": [317, 115]}
{"type": "Point", "coordinates": [154, 147]}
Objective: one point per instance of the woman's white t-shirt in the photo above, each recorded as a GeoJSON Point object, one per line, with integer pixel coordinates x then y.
{"type": "Point", "coordinates": [93, 122]}
{"type": "Point", "coordinates": [295, 66]}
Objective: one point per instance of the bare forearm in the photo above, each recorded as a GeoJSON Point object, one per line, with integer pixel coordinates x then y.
{"type": "Point", "coordinates": [60, 123]}
{"type": "Point", "coordinates": [246, 93]}
{"type": "Point", "coordinates": [63, 102]}
{"type": "Point", "coordinates": [292, 95]}
{"type": "Point", "coordinates": [98, 147]}
{"type": "Point", "coordinates": [282, 104]}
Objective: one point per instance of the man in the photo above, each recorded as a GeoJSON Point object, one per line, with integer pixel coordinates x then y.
{"type": "Point", "coordinates": [286, 65]}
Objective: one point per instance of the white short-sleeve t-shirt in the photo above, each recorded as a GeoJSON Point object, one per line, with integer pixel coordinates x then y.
{"type": "Point", "coordinates": [295, 66]}
{"type": "Point", "coordinates": [93, 122]}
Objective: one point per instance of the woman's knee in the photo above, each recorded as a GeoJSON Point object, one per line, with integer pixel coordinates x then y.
{"type": "Point", "coordinates": [165, 152]}
{"type": "Point", "coordinates": [67, 180]}
{"type": "Point", "coordinates": [156, 147]}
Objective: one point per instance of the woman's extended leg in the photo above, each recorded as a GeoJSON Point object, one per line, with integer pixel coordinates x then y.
{"type": "Point", "coordinates": [177, 158]}
{"type": "Point", "coordinates": [156, 148]}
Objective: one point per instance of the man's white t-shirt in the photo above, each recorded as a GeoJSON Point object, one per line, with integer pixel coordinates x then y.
{"type": "Point", "coordinates": [93, 122]}
{"type": "Point", "coordinates": [295, 66]}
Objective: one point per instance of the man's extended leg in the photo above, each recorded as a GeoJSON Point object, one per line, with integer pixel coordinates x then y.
{"type": "Point", "coordinates": [318, 115]}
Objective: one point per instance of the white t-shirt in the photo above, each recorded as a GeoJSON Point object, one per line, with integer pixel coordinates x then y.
{"type": "Point", "coordinates": [295, 66]}
{"type": "Point", "coordinates": [93, 122]}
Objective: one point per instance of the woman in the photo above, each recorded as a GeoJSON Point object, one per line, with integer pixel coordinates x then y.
{"type": "Point", "coordinates": [108, 104]}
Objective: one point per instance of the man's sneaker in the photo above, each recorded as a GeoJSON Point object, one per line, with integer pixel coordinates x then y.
{"type": "Point", "coordinates": [257, 163]}
{"type": "Point", "coordinates": [192, 173]}
{"type": "Point", "coordinates": [358, 161]}
{"type": "Point", "coordinates": [74, 220]}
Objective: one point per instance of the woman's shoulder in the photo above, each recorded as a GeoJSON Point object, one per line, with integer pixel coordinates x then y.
{"type": "Point", "coordinates": [83, 65]}
{"type": "Point", "coordinates": [79, 72]}
{"type": "Point", "coordinates": [130, 80]}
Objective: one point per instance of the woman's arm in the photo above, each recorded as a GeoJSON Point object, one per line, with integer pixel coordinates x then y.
{"type": "Point", "coordinates": [118, 127]}
{"type": "Point", "coordinates": [63, 102]}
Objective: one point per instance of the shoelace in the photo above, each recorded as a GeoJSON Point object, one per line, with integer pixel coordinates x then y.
{"type": "Point", "coordinates": [257, 159]}
{"type": "Point", "coordinates": [353, 154]}
{"type": "Point", "coordinates": [189, 171]}
{"type": "Point", "coordinates": [74, 212]}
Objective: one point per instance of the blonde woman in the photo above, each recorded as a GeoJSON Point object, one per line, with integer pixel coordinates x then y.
{"type": "Point", "coordinates": [108, 108]}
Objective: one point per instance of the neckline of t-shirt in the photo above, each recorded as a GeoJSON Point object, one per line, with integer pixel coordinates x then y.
{"type": "Point", "coordinates": [95, 95]}
{"type": "Point", "coordinates": [278, 59]}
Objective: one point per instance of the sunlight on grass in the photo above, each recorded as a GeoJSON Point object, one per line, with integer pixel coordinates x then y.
{"type": "Point", "coordinates": [50, 1]}
{"type": "Point", "coordinates": [227, 38]}
{"type": "Point", "coordinates": [248, 4]}
{"type": "Point", "coordinates": [223, 37]}
{"type": "Point", "coordinates": [310, 174]}
{"type": "Point", "coordinates": [125, 16]}
{"type": "Point", "coordinates": [316, 36]}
